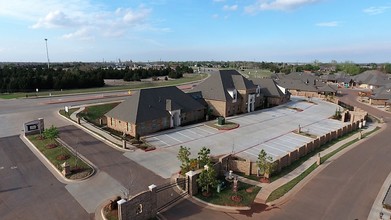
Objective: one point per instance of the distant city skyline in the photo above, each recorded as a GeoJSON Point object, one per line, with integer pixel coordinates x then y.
{"type": "Point", "coordinates": [177, 30]}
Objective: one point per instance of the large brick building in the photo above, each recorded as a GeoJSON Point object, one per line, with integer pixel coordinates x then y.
{"type": "Point", "coordinates": [273, 93]}
{"type": "Point", "coordinates": [154, 109]}
{"type": "Point", "coordinates": [228, 93]}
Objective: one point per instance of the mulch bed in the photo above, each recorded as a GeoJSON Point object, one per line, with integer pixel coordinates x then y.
{"type": "Point", "coordinates": [63, 157]}
{"type": "Point", "coordinates": [51, 146]}
{"type": "Point", "coordinates": [236, 198]}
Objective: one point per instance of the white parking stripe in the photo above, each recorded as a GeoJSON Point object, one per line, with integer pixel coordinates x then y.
{"type": "Point", "coordinates": [195, 133]}
{"type": "Point", "coordinates": [205, 131]}
{"type": "Point", "coordinates": [172, 138]}
{"type": "Point", "coordinates": [275, 148]}
{"type": "Point", "coordinates": [1, 168]}
{"type": "Point", "coordinates": [185, 135]}
{"type": "Point", "coordinates": [161, 141]}
{"type": "Point", "coordinates": [13, 167]}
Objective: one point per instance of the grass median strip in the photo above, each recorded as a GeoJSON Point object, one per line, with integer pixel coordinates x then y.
{"type": "Point", "coordinates": [59, 154]}
{"type": "Point", "coordinates": [282, 190]}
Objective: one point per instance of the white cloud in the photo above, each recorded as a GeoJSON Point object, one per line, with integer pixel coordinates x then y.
{"type": "Point", "coordinates": [136, 16]}
{"type": "Point", "coordinates": [376, 10]}
{"type": "Point", "coordinates": [283, 5]}
{"type": "Point", "coordinates": [54, 19]}
{"type": "Point", "coordinates": [82, 19]}
{"type": "Point", "coordinates": [215, 16]}
{"type": "Point", "coordinates": [329, 24]}
{"type": "Point", "coordinates": [84, 33]}
{"type": "Point", "coordinates": [218, 0]}
{"type": "Point", "coordinates": [230, 7]}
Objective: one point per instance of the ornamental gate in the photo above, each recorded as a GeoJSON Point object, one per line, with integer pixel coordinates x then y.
{"type": "Point", "coordinates": [168, 194]}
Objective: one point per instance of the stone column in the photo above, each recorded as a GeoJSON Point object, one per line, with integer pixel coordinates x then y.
{"type": "Point", "coordinates": [152, 188]}
{"type": "Point", "coordinates": [191, 177]}
{"type": "Point", "coordinates": [66, 169]}
{"type": "Point", "coordinates": [124, 143]}
{"type": "Point", "coordinates": [318, 160]}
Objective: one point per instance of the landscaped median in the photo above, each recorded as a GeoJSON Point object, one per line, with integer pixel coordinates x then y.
{"type": "Point", "coordinates": [245, 195]}
{"type": "Point", "coordinates": [282, 190]}
{"type": "Point", "coordinates": [57, 154]}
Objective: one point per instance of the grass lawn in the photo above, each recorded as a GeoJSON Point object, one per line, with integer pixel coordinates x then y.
{"type": "Point", "coordinates": [133, 85]}
{"type": "Point", "coordinates": [224, 197]}
{"type": "Point", "coordinates": [93, 113]}
{"type": "Point", "coordinates": [282, 190]}
{"type": "Point", "coordinates": [78, 167]}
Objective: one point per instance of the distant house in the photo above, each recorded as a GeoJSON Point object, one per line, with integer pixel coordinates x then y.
{"type": "Point", "coordinates": [273, 93]}
{"type": "Point", "coordinates": [372, 79]}
{"type": "Point", "coordinates": [228, 93]}
{"type": "Point", "coordinates": [298, 88]}
{"type": "Point", "coordinates": [381, 96]}
{"type": "Point", "coordinates": [154, 109]}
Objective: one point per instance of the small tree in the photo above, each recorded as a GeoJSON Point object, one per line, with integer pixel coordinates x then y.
{"type": "Point", "coordinates": [265, 163]}
{"type": "Point", "coordinates": [51, 133]}
{"type": "Point", "coordinates": [207, 179]}
{"type": "Point", "coordinates": [203, 157]}
{"type": "Point", "coordinates": [183, 156]}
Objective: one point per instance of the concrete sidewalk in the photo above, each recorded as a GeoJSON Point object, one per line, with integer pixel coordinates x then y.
{"type": "Point", "coordinates": [101, 134]}
{"type": "Point", "coordinates": [268, 188]}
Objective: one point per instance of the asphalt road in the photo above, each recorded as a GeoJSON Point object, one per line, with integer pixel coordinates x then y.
{"type": "Point", "coordinates": [28, 190]}
{"type": "Point", "coordinates": [130, 174]}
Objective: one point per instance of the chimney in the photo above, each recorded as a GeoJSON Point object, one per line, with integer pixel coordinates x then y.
{"type": "Point", "coordinates": [168, 104]}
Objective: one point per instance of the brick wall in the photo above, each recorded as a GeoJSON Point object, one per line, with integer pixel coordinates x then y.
{"type": "Point", "coordinates": [121, 126]}
{"type": "Point", "coordinates": [144, 202]}
{"type": "Point", "coordinates": [377, 101]}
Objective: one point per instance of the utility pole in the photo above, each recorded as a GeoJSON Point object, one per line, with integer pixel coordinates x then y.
{"type": "Point", "coordinates": [47, 51]}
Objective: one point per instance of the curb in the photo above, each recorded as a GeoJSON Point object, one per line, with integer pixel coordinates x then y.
{"type": "Point", "coordinates": [56, 173]}
{"type": "Point", "coordinates": [207, 205]}
{"type": "Point", "coordinates": [54, 169]}
{"type": "Point", "coordinates": [111, 144]}
{"type": "Point", "coordinates": [88, 162]}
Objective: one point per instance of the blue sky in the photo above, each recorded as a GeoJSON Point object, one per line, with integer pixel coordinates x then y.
{"type": "Point", "coordinates": [181, 30]}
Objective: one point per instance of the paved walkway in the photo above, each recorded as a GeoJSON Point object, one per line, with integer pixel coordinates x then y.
{"type": "Point", "coordinates": [101, 134]}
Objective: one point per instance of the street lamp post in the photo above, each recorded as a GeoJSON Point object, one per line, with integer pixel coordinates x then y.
{"type": "Point", "coordinates": [47, 51]}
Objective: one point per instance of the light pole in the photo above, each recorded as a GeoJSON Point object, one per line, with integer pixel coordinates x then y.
{"type": "Point", "coordinates": [47, 51]}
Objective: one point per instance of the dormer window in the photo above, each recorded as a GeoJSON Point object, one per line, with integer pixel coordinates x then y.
{"type": "Point", "coordinates": [258, 90]}
{"type": "Point", "coordinates": [234, 94]}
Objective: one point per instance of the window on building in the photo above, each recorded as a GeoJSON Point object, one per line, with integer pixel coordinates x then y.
{"type": "Point", "coordinates": [128, 126]}
{"type": "Point", "coordinates": [111, 121]}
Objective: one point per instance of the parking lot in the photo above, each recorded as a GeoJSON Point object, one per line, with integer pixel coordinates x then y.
{"type": "Point", "coordinates": [268, 129]}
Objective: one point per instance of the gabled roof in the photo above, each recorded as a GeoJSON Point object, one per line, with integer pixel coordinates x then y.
{"type": "Point", "coordinates": [382, 93]}
{"type": "Point", "coordinates": [373, 77]}
{"type": "Point", "coordinates": [296, 85]}
{"type": "Point", "coordinates": [153, 103]}
{"type": "Point", "coordinates": [217, 85]}
{"type": "Point", "coordinates": [327, 88]}
{"type": "Point", "coordinates": [268, 86]}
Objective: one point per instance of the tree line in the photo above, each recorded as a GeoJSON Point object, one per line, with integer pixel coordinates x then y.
{"type": "Point", "coordinates": [128, 74]}
{"type": "Point", "coordinates": [29, 78]}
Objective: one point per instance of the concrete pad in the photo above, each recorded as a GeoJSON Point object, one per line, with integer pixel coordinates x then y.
{"type": "Point", "coordinates": [91, 193]}
{"type": "Point", "coordinates": [268, 129]}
